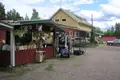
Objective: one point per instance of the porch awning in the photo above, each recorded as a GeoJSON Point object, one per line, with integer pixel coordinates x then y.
{"type": "Point", "coordinates": [68, 27]}
{"type": "Point", "coordinates": [43, 22]}
{"type": "Point", "coordinates": [72, 28]}
{"type": "Point", "coordinates": [5, 25]}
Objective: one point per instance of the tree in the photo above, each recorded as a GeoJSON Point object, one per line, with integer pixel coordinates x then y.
{"type": "Point", "coordinates": [26, 17]}
{"type": "Point", "coordinates": [35, 15]}
{"type": "Point", "coordinates": [93, 35]}
{"type": "Point", "coordinates": [2, 12]}
{"type": "Point", "coordinates": [21, 18]}
{"type": "Point", "coordinates": [117, 30]}
{"type": "Point", "coordinates": [98, 30]}
{"type": "Point", "coordinates": [110, 32]}
{"type": "Point", "coordinates": [13, 15]}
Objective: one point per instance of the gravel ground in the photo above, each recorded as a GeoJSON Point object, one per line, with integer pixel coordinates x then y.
{"type": "Point", "coordinates": [101, 63]}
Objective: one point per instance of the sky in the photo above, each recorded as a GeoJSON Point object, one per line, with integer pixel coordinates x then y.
{"type": "Point", "coordinates": [105, 12]}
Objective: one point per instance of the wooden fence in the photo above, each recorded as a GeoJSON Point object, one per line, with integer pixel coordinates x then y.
{"type": "Point", "coordinates": [24, 56]}
{"type": "Point", "coordinates": [4, 58]}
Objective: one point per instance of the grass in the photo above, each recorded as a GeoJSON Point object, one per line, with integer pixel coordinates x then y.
{"type": "Point", "coordinates": [20, 70]}
{"type": "Point", "coordinates": [49, 67]}
{"type": "Point", "coordinates": [8, 73]}
{"type": "Point", "coordinates": [6, 69]}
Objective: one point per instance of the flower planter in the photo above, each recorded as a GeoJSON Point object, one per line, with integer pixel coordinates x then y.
{"type": "Point", "coordinates": [40, 56]}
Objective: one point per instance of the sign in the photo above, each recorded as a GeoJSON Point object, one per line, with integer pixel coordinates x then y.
{"type": "Point", "coordinates": [69, 33]}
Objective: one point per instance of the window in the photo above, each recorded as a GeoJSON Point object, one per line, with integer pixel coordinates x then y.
{"type": "Point", "coordinates": [56, 20]}
{"type": "Point", "coordinates": [71, 33]}
{"type": "Point", "coordinates": [88, 35]}
{"type": "Point", "coordinates": [63, 19]}
{"type": "Point", "coordinates": [76, 33]}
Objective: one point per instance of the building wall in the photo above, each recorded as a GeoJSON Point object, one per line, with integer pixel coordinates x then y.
{"type": "Point", "coordinates": [108, 38]}
{"type": "Point", "coordinates": [2, 34]}
{"type": "Point", "coordinates": [69, 21]}
{"type": "Point", "coordinates": [85, 28]}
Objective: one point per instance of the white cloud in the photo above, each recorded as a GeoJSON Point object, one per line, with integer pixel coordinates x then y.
{"type": "Point", "coordinates": [44, 12]}
{"type": "Point", "coordinates": [31, 1]}
{"type": "Point", "coordinates": [79, 2]}
{"type": "Point", "coordinates": [105, 24]}
{"type": "Point", "coordinates": [16, 2]}
{"type": "Point", "coordinates": [23, 9]}
{"type": "Point", "coordinates": [97, 15]}
{"type": "Point", "coordinates": [102, 24]}
{"type": "Point", "coordinates": [56, 1]}
{"type": "Point", "coordinates": [115, 3]}
{"type": "Point", "coordinates": [68, 7]}
{"type": "Point", "coordinates": [110, 10]}
{"type": "Point", "coordinates": [87, 14]}
{"type": "Point", "coordinates": [99, 18]}
{"type": "Point", "coordinates": [97, 1]}
{"type": "Point", "coordinates": [9, 2]}
{"type": "Point", "coordinates": [112, 18]}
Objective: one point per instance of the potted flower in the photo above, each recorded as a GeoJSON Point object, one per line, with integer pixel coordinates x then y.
{"type": "Point", "coordinates": [39, 52]}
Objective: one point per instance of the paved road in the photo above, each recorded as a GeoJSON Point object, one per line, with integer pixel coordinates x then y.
{"type": "Point", "coordinates": [101, 63]}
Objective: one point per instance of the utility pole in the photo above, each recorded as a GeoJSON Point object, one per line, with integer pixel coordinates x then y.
{"type": "Point", "coordinates": [93, 30]}
{"type": "Point", "coordinates": [60, 3]}
{"type": "Point", "coordinates": [92, 19]}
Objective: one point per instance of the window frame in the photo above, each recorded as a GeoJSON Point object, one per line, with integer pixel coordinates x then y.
{"type": "Point", "coordinates": [57, 20]}
{"type": "Point", "coordinates": [64, 19]}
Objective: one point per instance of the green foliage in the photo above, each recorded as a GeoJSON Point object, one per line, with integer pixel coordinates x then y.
{"type": "Point", "coordinates": [35, 15]}
{"type": "Point", "coordinates": [110, 32]}
{"type": "Point", "coordinates": [13, 15]}
{"type": "Point", "coordinates": [92, 35]}
{"type": "Point", "coordinates": [117, 30]}
{"type": "Point", "coordinates": [2, 12]}
{"type": "Point", "coordinates": [114, 31]}
{"type": "Point", "coordinates": [98, 30]}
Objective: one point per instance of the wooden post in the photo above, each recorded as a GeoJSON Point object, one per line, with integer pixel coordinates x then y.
{"type": "Point", "coordinates": [54, 41]}
{"type": "Point", "coordinates": [12, 50]}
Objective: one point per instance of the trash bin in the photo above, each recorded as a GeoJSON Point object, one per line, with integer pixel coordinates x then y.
{"type": "Point", "coordinates": [40, 55]}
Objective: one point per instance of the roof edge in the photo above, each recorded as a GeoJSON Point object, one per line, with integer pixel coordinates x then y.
{"type": "Point", "coordinates": [6, 25]}
{"type": "Point", "coordinates": [55, 13]}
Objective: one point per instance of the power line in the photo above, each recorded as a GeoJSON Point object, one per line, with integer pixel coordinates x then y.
{"type": "Point", "coordinates": [92, 19]}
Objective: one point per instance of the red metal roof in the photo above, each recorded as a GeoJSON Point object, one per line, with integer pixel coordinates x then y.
{"type": "Point", "coordinates": [108, 38]}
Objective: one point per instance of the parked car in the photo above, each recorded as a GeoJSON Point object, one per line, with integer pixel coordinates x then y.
{"type": "Point", "coordinates": [114, 42]}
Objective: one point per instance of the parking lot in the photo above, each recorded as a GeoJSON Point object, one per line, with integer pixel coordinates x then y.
{"type": "Point", "coordinates": [100, 63]}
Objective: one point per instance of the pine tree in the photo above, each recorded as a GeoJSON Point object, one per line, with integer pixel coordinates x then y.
{"type": "Point", "coordinates": [26, 17]}
{"type": "Point", "coordinates": [2, 11]}
{"type": "Point", "coordinates": [35, 15]}
{"type": "Point", "coordinates": [13, 15]}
